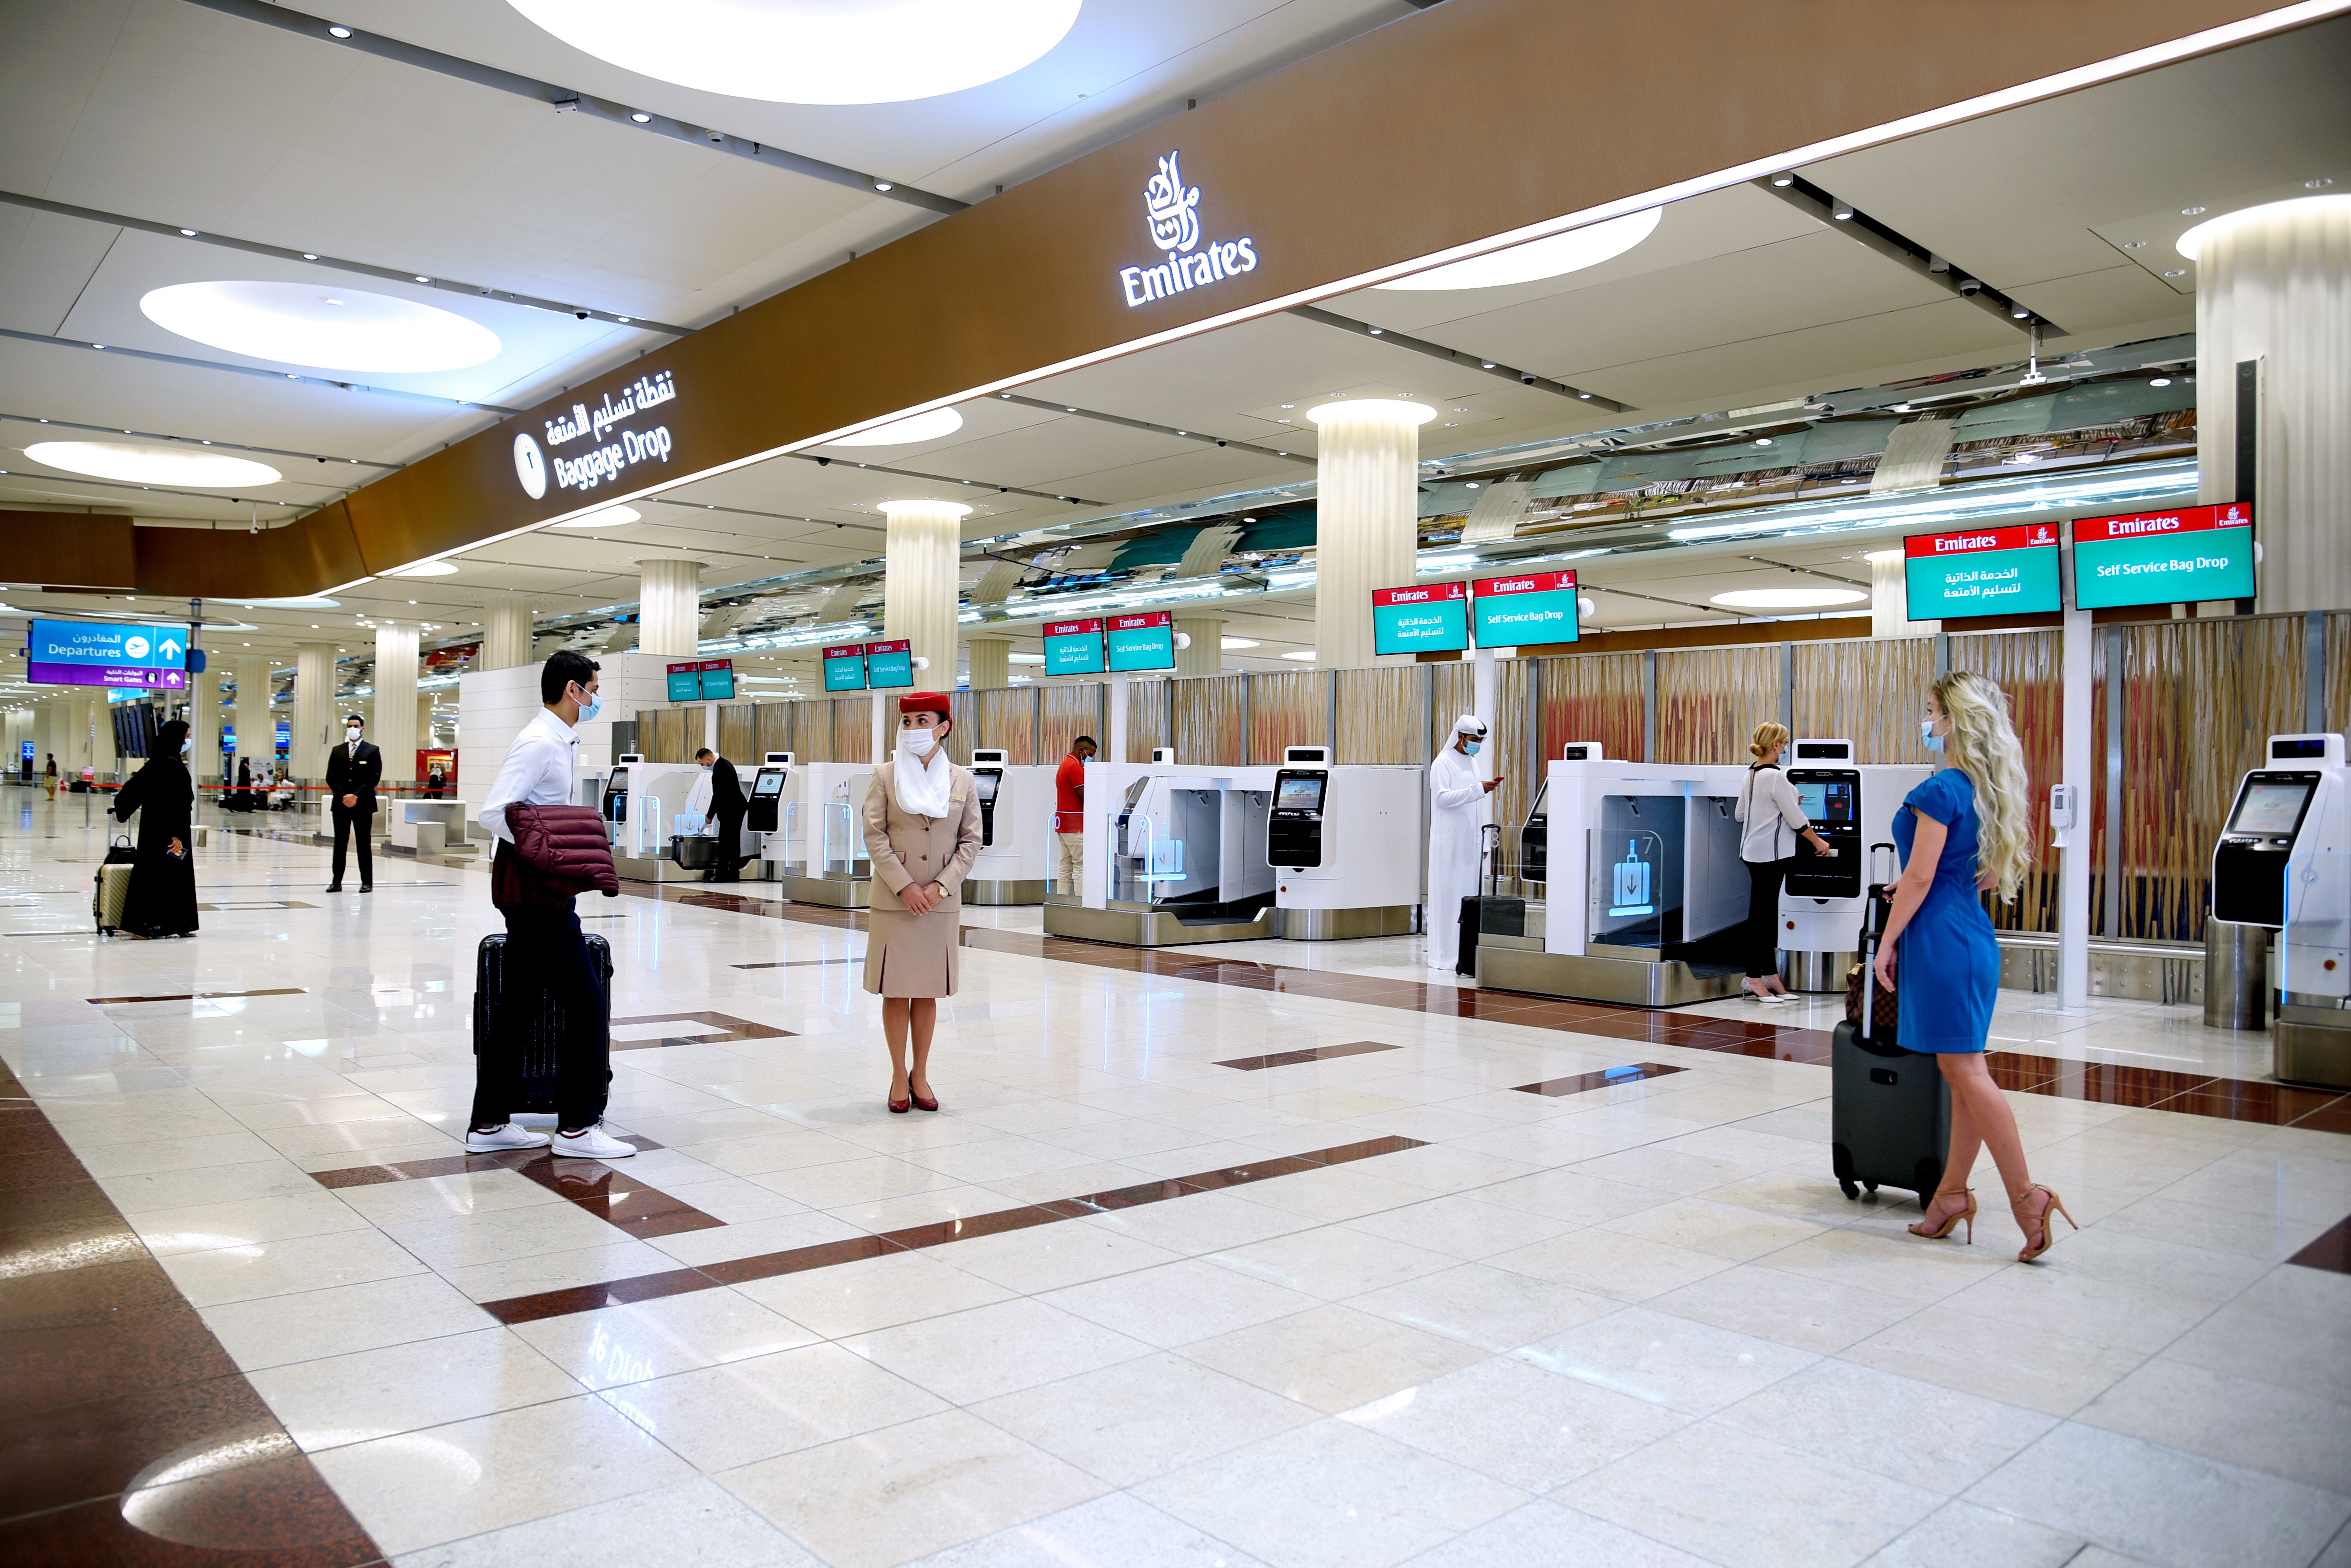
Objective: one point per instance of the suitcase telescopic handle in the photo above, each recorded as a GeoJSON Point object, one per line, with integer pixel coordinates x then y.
{"type": "Point", "coordinates": [1890, 855]}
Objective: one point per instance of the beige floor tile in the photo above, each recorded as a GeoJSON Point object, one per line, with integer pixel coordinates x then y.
{"type": "Point", "coordinates": [208, 1227]}
{"type": "Point", "coordinates": [1961, 1535]}
{"type": "Point", "coordinates": [1887, 1425]}
{"type": "Point", "coordinates": [1543, 1534]}
{"type": "Point", "coordinates": [2292, 1329]}
{"type": "Point", "coordinates": [1810, 1314]}
{"type": "Point", "coordinates": [524, 1231]}
{"type": "Point", "coordinates": [1460, 1226]}
{"type": "Point", "coordinates": [1628, 1267]}
{"type": "Point", "coordinates": [1718, 1230]}
{"type": "Point", "coordinates": [444, 1198]}
{"type": "Point", "coordinates": [2258, 1426]}
{"type": "Point", "coordinates": [779, 1233]}
{"type": "Point", "coordinates": [1141, 1419]}
{"type": "Point", "coordinates": [1891, 1263]}
{"type": "Point", "coordinates": [615, 1345]}
{"type": "Point", "coordinates": [346, 1399]}
{"type": "Point", "coordinates": [972, 1355]}
{"type": "Point", "coordinates": [1519, 1425]}
{"type": "Point", "coordinates": [1665, 1360]}
{"type": "Point", "coordinates": [240, 1183]}
{"type": "Point", "coordinates": [1051, 1257]}
{"type": "Point", "coordinates": [858, 1298]}
{"type": "Point", "coordinates": [1178, 1303]}
{"type": "Point", "coordinates": [1208, 1223]}
{"type": "Point", "coordinates": [1118, 1528]}
{"type": "Point", "coordinates": [1962, 1349]}
{"type": "Point", "coordinates": [1334, 1358]}
{"type": "Point", "coordinates": [687, 1525]}
{"type": "Point", "coordinates": [1333, 1262]}
{"type": "Point", "coordinates": [1491, 1308]}
{"type": "Point", "coordinates": [303, 1263]}
{"type": "Point", "coordinates": [616, 1258]}
{"type": "Point", "coordinates": [718, 1417]}
{"type": "Point", "coordinates": [1572, 1195]}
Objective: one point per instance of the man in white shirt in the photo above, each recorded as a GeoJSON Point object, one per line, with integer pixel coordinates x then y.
{"type": "Point", "coordinates": [545, 954]}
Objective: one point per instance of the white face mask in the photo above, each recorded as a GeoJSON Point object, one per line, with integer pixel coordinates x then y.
{"type": "Point", "coordinates": [918, 741]}
{"type": "Point", "coordinates": [351, 730]}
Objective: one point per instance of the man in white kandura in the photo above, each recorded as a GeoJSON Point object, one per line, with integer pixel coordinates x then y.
{"type": "Point", "coordinates": [1458, 813]}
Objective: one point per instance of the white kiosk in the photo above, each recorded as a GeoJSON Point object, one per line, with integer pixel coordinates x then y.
{"type": "Point", "coordinates": [1173, 854]}
{"type": "Point", "coordinates": [823, 857]}
{"type": "Point", "coordinates": [1339, 838]}
{"type": "Point", "coordinates": [1015, 812]}
{"type": "Point", "coordinates": [639, 799]}
{"type": "Point", "coordinates": [2284, 861]}
{"type": "Point", "coordinates": [763, 820]}
{"type": "Point", "coordinates": [1821, 906]}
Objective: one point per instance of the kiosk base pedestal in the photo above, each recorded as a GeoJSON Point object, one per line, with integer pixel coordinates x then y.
{"type": "Point", "coordinates": [833, 893]}
{"type": "Point", "coordinates": [1818, 972]}
{"type": "Point", "coordinates": [646, 868]}
{"type": "Point", "coordinates": [2313, 1046]}
{"type": "Point", "coordinates": [1030, 891]}
{"type": "Point", "coordinates": [1150, 927]}
{"type": "Point", "coordinates": [1627, 982]}
{"type": "Point", "coordinates": [1343, 925]}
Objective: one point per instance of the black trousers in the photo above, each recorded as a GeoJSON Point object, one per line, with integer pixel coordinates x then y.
{"type": "Point", "coordinates": [547, 957]}
{"type": "Point", "coordinates": [1762, 933]}
{"type": "Point", "coordinates": [362, 825]}
{"type": "Point", "coordinates": [728, 865]}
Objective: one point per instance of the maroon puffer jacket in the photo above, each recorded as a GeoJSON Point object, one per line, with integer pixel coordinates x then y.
{"type": "Point", "coordinates": [559, 851]}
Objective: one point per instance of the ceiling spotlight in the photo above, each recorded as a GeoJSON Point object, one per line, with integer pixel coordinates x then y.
{"type": "Point", "coordinates": [98, 345]}
{"type": "Point", "coordinates": [1784, 179]}
{"type": "Point", "coordinates": [2019, 312]}
{"type": "Point", "coordinates": [1842, 212]}
{"type": "Point", "coordinates": [1378, 331]}
{"type": "Point", "coordinates": [2191, 212]}
{"type": "Point", "coordinates": [338, 30]}
{"type": "Point", "coordinates": [2134, 245]}
{"type": "Point", "coordinates": [2176, 272]}
{"type": "Point", "coordinates": [309, 255]}
{"type": "Point", "coordinates": [623, 321]}
{"type": "Point", "coordinates": [1585, 396]}
{"type": "Point", "coordinates": [422, 278]}
{"type": "Point", "coordinates": [2316, 184]}
{"type": "Point", "coordinates": [882, 185]}
{"type": "Point", "coordinates": [1482, 364]}
{"type": "Point", "coordinates": [1763, 441]}
{"type": "Point", "coordinates": [1068, 411]}
{"type": "Point", "coordinates": [2161, 381]}
{"type": "Point", "coordinates": [190, 234]}
{"type": "Point", "coordinates": [640, 116]}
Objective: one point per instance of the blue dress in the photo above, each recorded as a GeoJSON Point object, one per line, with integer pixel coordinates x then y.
{"type": "Point", "coordinates": [1946, 966]}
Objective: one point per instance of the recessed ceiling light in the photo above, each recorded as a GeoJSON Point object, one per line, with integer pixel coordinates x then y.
{"type": "Point", "coordinates": [812, 51]}
{"type": "Point", "coordinates": [1788, 597]}
{"type": "Point", "coordinates": [902, 431]}
{"type": "Point", "coordinates": [883, 185]}
{"type": "Point", "coordinates": [2161, 381]}
{"type": "Point", "coordinates": [609, 518]}
{"type": "Point", "coordinates": [297, 324]}
{"type": "Point", "coordinates": [1763, 441]}
{"type": "Point", "coordinates": [1303, 656]}
{"type": "Point", "coordinates": [338, 31]}
{"type": "Point", "coordinates": [1239, 643]}
{"type": "Point", "coordinates": [1552, 257]}
{"type": "Point", "coordinates": [425, 568]}
{"type": "Point", "coordinates": [191, 233]}
{"type": "Point", "coordinates": [144, 465]}
{"type": "Point", "coordinates": [2176, 272]}
{"type": "Point", "coordinates": [422, 278]}
{"type": "Point", "coordinates": [2191, 212]}
{"type": "Point", "coordinates": [309, 255]}
{"type": "Point", "coordinates": [640, 116]}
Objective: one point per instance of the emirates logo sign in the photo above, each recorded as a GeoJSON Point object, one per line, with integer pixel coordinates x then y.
{"type": "Point", "coordinates": [1172, 211]}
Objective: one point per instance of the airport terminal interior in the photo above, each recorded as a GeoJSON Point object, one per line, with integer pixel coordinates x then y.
{"type": "Point", "coordinates": [1383, 497]}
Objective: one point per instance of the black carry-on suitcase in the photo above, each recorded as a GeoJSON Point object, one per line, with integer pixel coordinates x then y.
{"type": "Point", "coordinates": [1484, 912]}
{"type": "Point", "coordinates": [537, 1045]}
{"type": "Point", "coordinates": [1889, 1109]}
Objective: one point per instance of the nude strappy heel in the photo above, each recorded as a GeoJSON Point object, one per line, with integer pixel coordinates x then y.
{"type": "Point", "coordinates": [1967, 1214]}
{"type": "Point", "coordinates": [2048, 1233]}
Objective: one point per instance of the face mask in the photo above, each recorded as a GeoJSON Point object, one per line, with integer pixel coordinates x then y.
{"type": "Point", "coordinates": [1471, 748]}
{"type": "Point", "coordinates": [1926, 736]}
{"type": "Point", "coordinates": [351, 730]}
{"type": "Point", "coordinates": [918, 741]}
{"type": "Point", "coordinates": [591, 708]}
{"type": "Point", "coordinates": [187, 746]}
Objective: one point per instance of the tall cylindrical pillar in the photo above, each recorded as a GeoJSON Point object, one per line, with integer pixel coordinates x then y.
{"type": "Point", "coordinates": [2274, 293]}
{"type": "Point", "coordinates": [669, 608]}
{"type": "Point", "coordinates": [314, 711]}
{"type": "Point", "coordinates": [920, 595]}
{"type": "Point", "coordinates": [506, 635]}
{"type": "Point", "coordinates": [204, 729]}
{"type": "Point", "coordinates": [991, 663]}
{"type": "Point", "coordinates": [392, 726]}
{"type": "Point", "coordinates": [1889, 598]}
{"type": "Point", "coordinates": [1366, 515]}
{"type": "Point", "coordinates": [257, 727]}
{"type": "Point", "coordinates": [1205, 656]}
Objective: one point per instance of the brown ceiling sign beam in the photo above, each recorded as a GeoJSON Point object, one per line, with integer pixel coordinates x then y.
{"type": "Point", "coordinates": [111, 555]}
{"type": "Point", "coordinates": [1065, 270]}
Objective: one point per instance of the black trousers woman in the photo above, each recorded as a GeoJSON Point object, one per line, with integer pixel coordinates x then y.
{"type": "Point", "coordinates": [1771, 819]}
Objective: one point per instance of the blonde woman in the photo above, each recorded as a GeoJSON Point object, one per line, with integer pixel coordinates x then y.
{"type": "Point", "coordinates": [1967, 828]}
{"type": "Point", "coordinates": [1772, 819]}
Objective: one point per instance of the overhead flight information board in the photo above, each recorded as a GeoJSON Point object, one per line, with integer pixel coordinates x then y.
{"type": "Point", "coordinates": [2164, 558]}
{"type": "Point", "coordinates": [1074, 648]}
{"type": "Point", "coordinates": [1982, 572]}
{"type": "Point", "coordinates": [1430, 620]}
{"type": "Point", "coordinates": [1535, 607]}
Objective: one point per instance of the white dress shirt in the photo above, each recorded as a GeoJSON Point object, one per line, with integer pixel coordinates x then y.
{"type": "Point", "coordinates": [538, 771]}
{"type": "Point", "coordinates": [1771, 815]}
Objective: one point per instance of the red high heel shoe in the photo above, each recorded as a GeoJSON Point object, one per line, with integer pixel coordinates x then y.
{"type": "Point", "coordinates": [900, 1107]}
{"type": "Point", "coordinates": [920, 1104]}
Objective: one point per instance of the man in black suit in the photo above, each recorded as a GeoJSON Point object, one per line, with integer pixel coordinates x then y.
{"type": "Point", "coordinates": [353, 771]}
{"type": "Point", "coordinates": [728, 809]}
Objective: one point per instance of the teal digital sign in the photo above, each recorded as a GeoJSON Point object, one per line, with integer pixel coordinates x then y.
{"type": "Point", "coordinates": [1982, 572]}
{"type": "Point", "coordinates": [890, 665]}
{"type": "Point", "coordinates": [1143, 642]}
{"type": "Point", "coordinates": [1074, 648]}
{"type": "Point", "coordinates": [702, 680]}
{"type": "Point", "coordinates": [844, 667]}
{"type": "Point", "coordinates": [2164, 558]}
{"type": "Point", "coordinates": [1431, 620]}
{"type": "Point", "coordinates": [1525, 610]}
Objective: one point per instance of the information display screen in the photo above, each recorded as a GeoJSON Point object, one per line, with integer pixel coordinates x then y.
{"type": "Point", "coordinates": [1074, 648]}
{"type": "Point", "coordinates": [2164, 558]}
{"type": "Point", "coordinates": [702, 680]}
{"type": "Point", "coordinates": [1982, 572]}
{"type": "Point", "coordinates": [1431, 620]}
{"type": "Point", "coordinates": [986, 782]}
{"type": "Point", "coordinates": [103, 653]}
{"type": "Point", "coordinates": [1145, 641]}
{"type": "Point", "coordinates": [1825, 800]}
{"type": "Point", "coordinates": [890, 667]}
{"type": "Point", "coordinates": [1293, 794]}
{"type": "Point", "coordinates": [844, 667]}
{"type": "Point", "coordinates": [2270, 809]}
{"type": "Point", "coordinates": [1513, 612]}
{"type": "Point", "coordinates": [767, 786]}
{"type": "Point", "coordinates": [284, 734]}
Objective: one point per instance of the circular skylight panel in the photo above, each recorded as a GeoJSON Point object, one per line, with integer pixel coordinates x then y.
{"type": "Point", "coordinates": [425, 568]}
{"type": "Point", "coordinates": [1788, 597]}
{"type": "Point", "coordinates": [142, 463]}
{"type": "Point", "coordinates": [1539, 258]}
{"type": "Point", "coordinates": [812, 51]}
{"type": "Point", "coordinates": [329, 327]}
{"type": "Point", "coordinates": [609, 517]}
{"type": "Point", "coordinates": [904, 431]}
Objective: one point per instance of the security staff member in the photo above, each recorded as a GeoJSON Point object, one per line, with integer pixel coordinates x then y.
{"type": "Point", "coordinates": [353, 771]}
{"type": "Point", "coordinates": [728, 809]}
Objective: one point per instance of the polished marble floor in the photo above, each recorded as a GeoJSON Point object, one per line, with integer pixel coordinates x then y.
{"type": "Point", "coordinates": [1173, 1279]}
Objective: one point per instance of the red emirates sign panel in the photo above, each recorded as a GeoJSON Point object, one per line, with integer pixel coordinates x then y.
{"type": "Point", "coordinates": [845, 651]}
{"type": "Point", "coordinates": [1435, 593]}
{"type": "Point", "coordinates": [1533, 582]}
{"type": "Point", "coordinates": [2186, 520]}
{"type": "Point", "coordinates": [2023, 536]}
{"type": "Point", "coordinates": [1135, 623]}
{"type": "Point", "coordinates": [1071, 628]}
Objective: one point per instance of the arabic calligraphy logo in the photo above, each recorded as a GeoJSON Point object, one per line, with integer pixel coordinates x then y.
{"type": "Point", "coordinates": [1174, 210]}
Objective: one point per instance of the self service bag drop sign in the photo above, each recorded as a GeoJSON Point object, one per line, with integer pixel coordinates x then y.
{"type": "Point", "coordinates": [97, 654]}
{"type": "Point", "coordinates": [2164, 558]}
{"type": "Point", "coordinates": [1982, 572]}
{"type": "Point", "coordinates": [1431, 620]}
{"type": "Point", "coordinates": [1514, 611]}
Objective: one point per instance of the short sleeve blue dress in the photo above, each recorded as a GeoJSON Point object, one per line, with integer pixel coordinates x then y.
{"type": "Point", "coordinates": [1946, 969]}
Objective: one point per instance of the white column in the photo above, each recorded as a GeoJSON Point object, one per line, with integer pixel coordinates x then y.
{"type": "Point", "coordinates": [424, 719]}
{"type": "Point", "coordinates": [1889, 599]}
{"type": "Point", "coordinates": [393, 725]}
{"type": "Point", "coordinates": [919, 591]}
{"type": "Point", "coordinates": [204, 729]}
{"type": "Point", "coordinates": [1486, 697]}
{"type": "Point", "coordinates": [669, 608]}
{"type": "Point", "coordinates": [1205, 656]}
{"type": "Point", "coordinates": [991, 663]}
{"type": "Point", "coordinates": [2274, 285]}
{"type": "Point", "coordinates": [2074, 869]}
{"type": "Point", "coordinates": [314, 710]}
{"type": "Point", "coordinates": [506, 635]}
{"type": "Point", "coordinates": [1116, 699]}
{"type": "Point", "coordinates": [1366, 510]}
{"type": "Point", "coordinates": [257, 737]}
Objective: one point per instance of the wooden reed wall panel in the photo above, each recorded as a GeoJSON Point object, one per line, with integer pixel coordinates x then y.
{"type": "Point", "coordinates": [2027, 666]}
{"type": "Point", "coordinates": [1870, 691]}
{"type": "Point", "coordinates": [668, 734]}
{"type": "Point", "coordinates": [1710, 701]}
{"type": "Point", "coordinates": [1005, 717]}
{"type": "Point", "coordinates": [2339, 674]}
{"type": "Point", "coordinates": [773, 729]}
{"type": "Point", "coordinates": [1453, 690]}
{"type": "Point", "coordinates": [1146, 719]}
{"type": "Point", "coordinates": [1384, 714]}
{"type": "Point", "coordinates": [738, 732]}
{"type": "Point", "coordinates": [962, 715]}
{"type": "Point", "coordinates": [852, 728]}
{"type": "Point", "coordinates": [1212, 720]}
{"type": "Point", "coordinates": [1070, 710]}
{"type": "Point", "coordinates": [1286, 708]}
{"type": "Point", "coordinates": [648, 721]}
{"type": "Point", "coordinates": [1514, 682]}
{"type": "Point", "coordinates": [1593, 697]}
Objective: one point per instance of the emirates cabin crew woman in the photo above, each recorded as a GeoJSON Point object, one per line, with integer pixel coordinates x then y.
{"type": "Point", "coordinates": [922, 834]}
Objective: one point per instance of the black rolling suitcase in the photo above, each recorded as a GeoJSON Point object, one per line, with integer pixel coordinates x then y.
{"type": "Point", "coordinates": [1889, 1109]}
{"type": "Point", "coordinates": [538, 1046]}
{"type": "Point", "coordinates": [1484, 912]}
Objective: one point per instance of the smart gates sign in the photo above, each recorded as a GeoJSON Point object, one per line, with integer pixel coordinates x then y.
{"type": "Point", "coordinates": [1172, 210]}
{"type": "Point", "coordinates": [99, 653]}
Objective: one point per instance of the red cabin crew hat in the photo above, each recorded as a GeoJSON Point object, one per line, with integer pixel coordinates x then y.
{"type": "Point", "coordinates": [926, 702]}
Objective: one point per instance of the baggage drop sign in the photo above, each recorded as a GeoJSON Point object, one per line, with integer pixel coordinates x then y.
{"type": "Point", "coordinates": [1982, 572]}
{"type": "Point", "coordinates": [103, 653]}
{"type": "Point", "coordinates": [2164, 558]}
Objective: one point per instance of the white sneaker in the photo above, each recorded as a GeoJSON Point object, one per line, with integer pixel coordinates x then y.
{"type": "Point", "coordinates": [593, 1143]}
{"type": "Point", "coordinates": [507, 1136]}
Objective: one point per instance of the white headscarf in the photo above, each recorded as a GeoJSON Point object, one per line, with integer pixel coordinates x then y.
{"type": "Point", "coordinates": [1470, 723]}
{"type": "Point", "coordinates": [922, 788]}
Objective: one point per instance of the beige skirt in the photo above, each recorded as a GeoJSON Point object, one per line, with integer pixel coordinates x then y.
{"type": "Point", "coordinates": [911, 955]}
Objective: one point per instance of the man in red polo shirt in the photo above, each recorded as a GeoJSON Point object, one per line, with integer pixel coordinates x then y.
{"type": "Point", "coordinates": [1069, 815]}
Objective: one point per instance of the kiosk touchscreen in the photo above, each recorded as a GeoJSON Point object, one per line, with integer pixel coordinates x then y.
{"type": "Point", "coordinates": [767, 799]}
{"type": "Point", "coordinates": [1294, 836]}
{"type": "Point", "coordinates": [988, 780]}
{"type": "Point", "coordinates": [616, 789]}
{"type": "Point", "coordinates": [1832, 801]}
{"type": "Point", "coordinates": [1534, 834]}
{"type": "Point", "coordinates": [2259, 841]}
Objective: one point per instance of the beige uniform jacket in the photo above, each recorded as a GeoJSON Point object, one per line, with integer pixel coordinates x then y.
{"type": "Point", "coordinates": [908, 955]}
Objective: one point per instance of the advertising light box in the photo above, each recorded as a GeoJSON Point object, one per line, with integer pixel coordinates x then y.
{"type": "Point", "coordinates": [844, 667]}
{"type": "Point", "coordinates": [1513, 612]}
{"type": "Point", "coordinates": [890, 665]}
{"type": "Point", "coordinates": [1982, 572]}
{"type": "Point", "coordinates": [1145, 641]}
{"type": "Point", "coordinates": [99, 653]}
{"type": "Point", "coordinates": [1431, 620]}
{"type": "Point", "coordinates": [1074, 648]}
{"type": "Point", "coordinates": [2164, 558]}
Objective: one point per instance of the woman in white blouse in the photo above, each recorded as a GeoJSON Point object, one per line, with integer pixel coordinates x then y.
{"type": "Point", "coordinates": [1772, 819]}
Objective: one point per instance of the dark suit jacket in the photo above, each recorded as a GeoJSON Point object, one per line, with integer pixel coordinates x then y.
{"type": "Point", "coordinates": [349, 775]}
{"type": "Point", "coordinates": [726, 797]}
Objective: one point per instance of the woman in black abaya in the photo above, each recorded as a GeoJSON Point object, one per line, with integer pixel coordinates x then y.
{"type": "Point", "coordinates": [163, 898]}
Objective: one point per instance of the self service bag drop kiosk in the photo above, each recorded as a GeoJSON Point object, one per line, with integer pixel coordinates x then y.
{"type": "Point", "coordinates": [2284, 861]}
{"type": "Point", "coordinates": [638, 801]}
{"type": "Point", "coordinates": [823, 857]}
{"type": "Point", "coordinates": [1342, 842]}
{"type": "Point", "coordinates": [1016, 819]}
{"type": "Point", "coordinates": [1820, 904]}
{"type": "Point", "coordinates": [764, 818]}
{"type": "Point", "coordinates": [1174, 853]}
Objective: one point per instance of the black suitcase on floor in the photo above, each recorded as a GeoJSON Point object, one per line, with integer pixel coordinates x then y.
{"type": "Point", "coordinates": [1889, 1109]}
{"type": "Point", "coordinates": [1484, 913]}
{"type": "Point", "coordinates": [547, 1018]}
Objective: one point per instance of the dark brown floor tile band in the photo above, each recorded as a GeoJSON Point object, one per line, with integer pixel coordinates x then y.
{"type": "Point", "coordinates": [127, 1435]}
{"type": "Point", "coordinates": [855, 1249]}
{"type": "Point", "coordinates": [2331, 1251]}
{"type": "Point", "coordinates": [730, 1029]}
{"type": "Point", "coordinates": [607, 1192]}
{"type": "Point", "coordinates": [801, 963]}
{"type": "Point", "coordinates": [257, 903]}
{"type": "Point", "coordinates": [195, 996]}
{"type": "Point", "coordinates": [1316, 1053]}
{"type": "Point", "coordinates": [1608, 1078]}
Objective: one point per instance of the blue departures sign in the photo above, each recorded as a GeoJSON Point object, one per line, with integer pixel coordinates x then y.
{"type": "Point", "coordinates": [100, 654]}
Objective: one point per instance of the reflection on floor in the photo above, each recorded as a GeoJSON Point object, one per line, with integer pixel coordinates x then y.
{"type": "Point", "coordinates": [1182, 1273]}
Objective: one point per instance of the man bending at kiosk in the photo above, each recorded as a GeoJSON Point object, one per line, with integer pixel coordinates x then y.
{"type": "Point", "coordinates": [1457, 816]}
{"type": "Point", "coordinates": [723, 811]}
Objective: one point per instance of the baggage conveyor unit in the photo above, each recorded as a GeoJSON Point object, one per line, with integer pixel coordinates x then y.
{"type": "Point", "coordinates": [1016, 818]}
{"type": "Point", "coordinates": [1173, 854]}
{"type": "Point", "coordinates": [821, 858]}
